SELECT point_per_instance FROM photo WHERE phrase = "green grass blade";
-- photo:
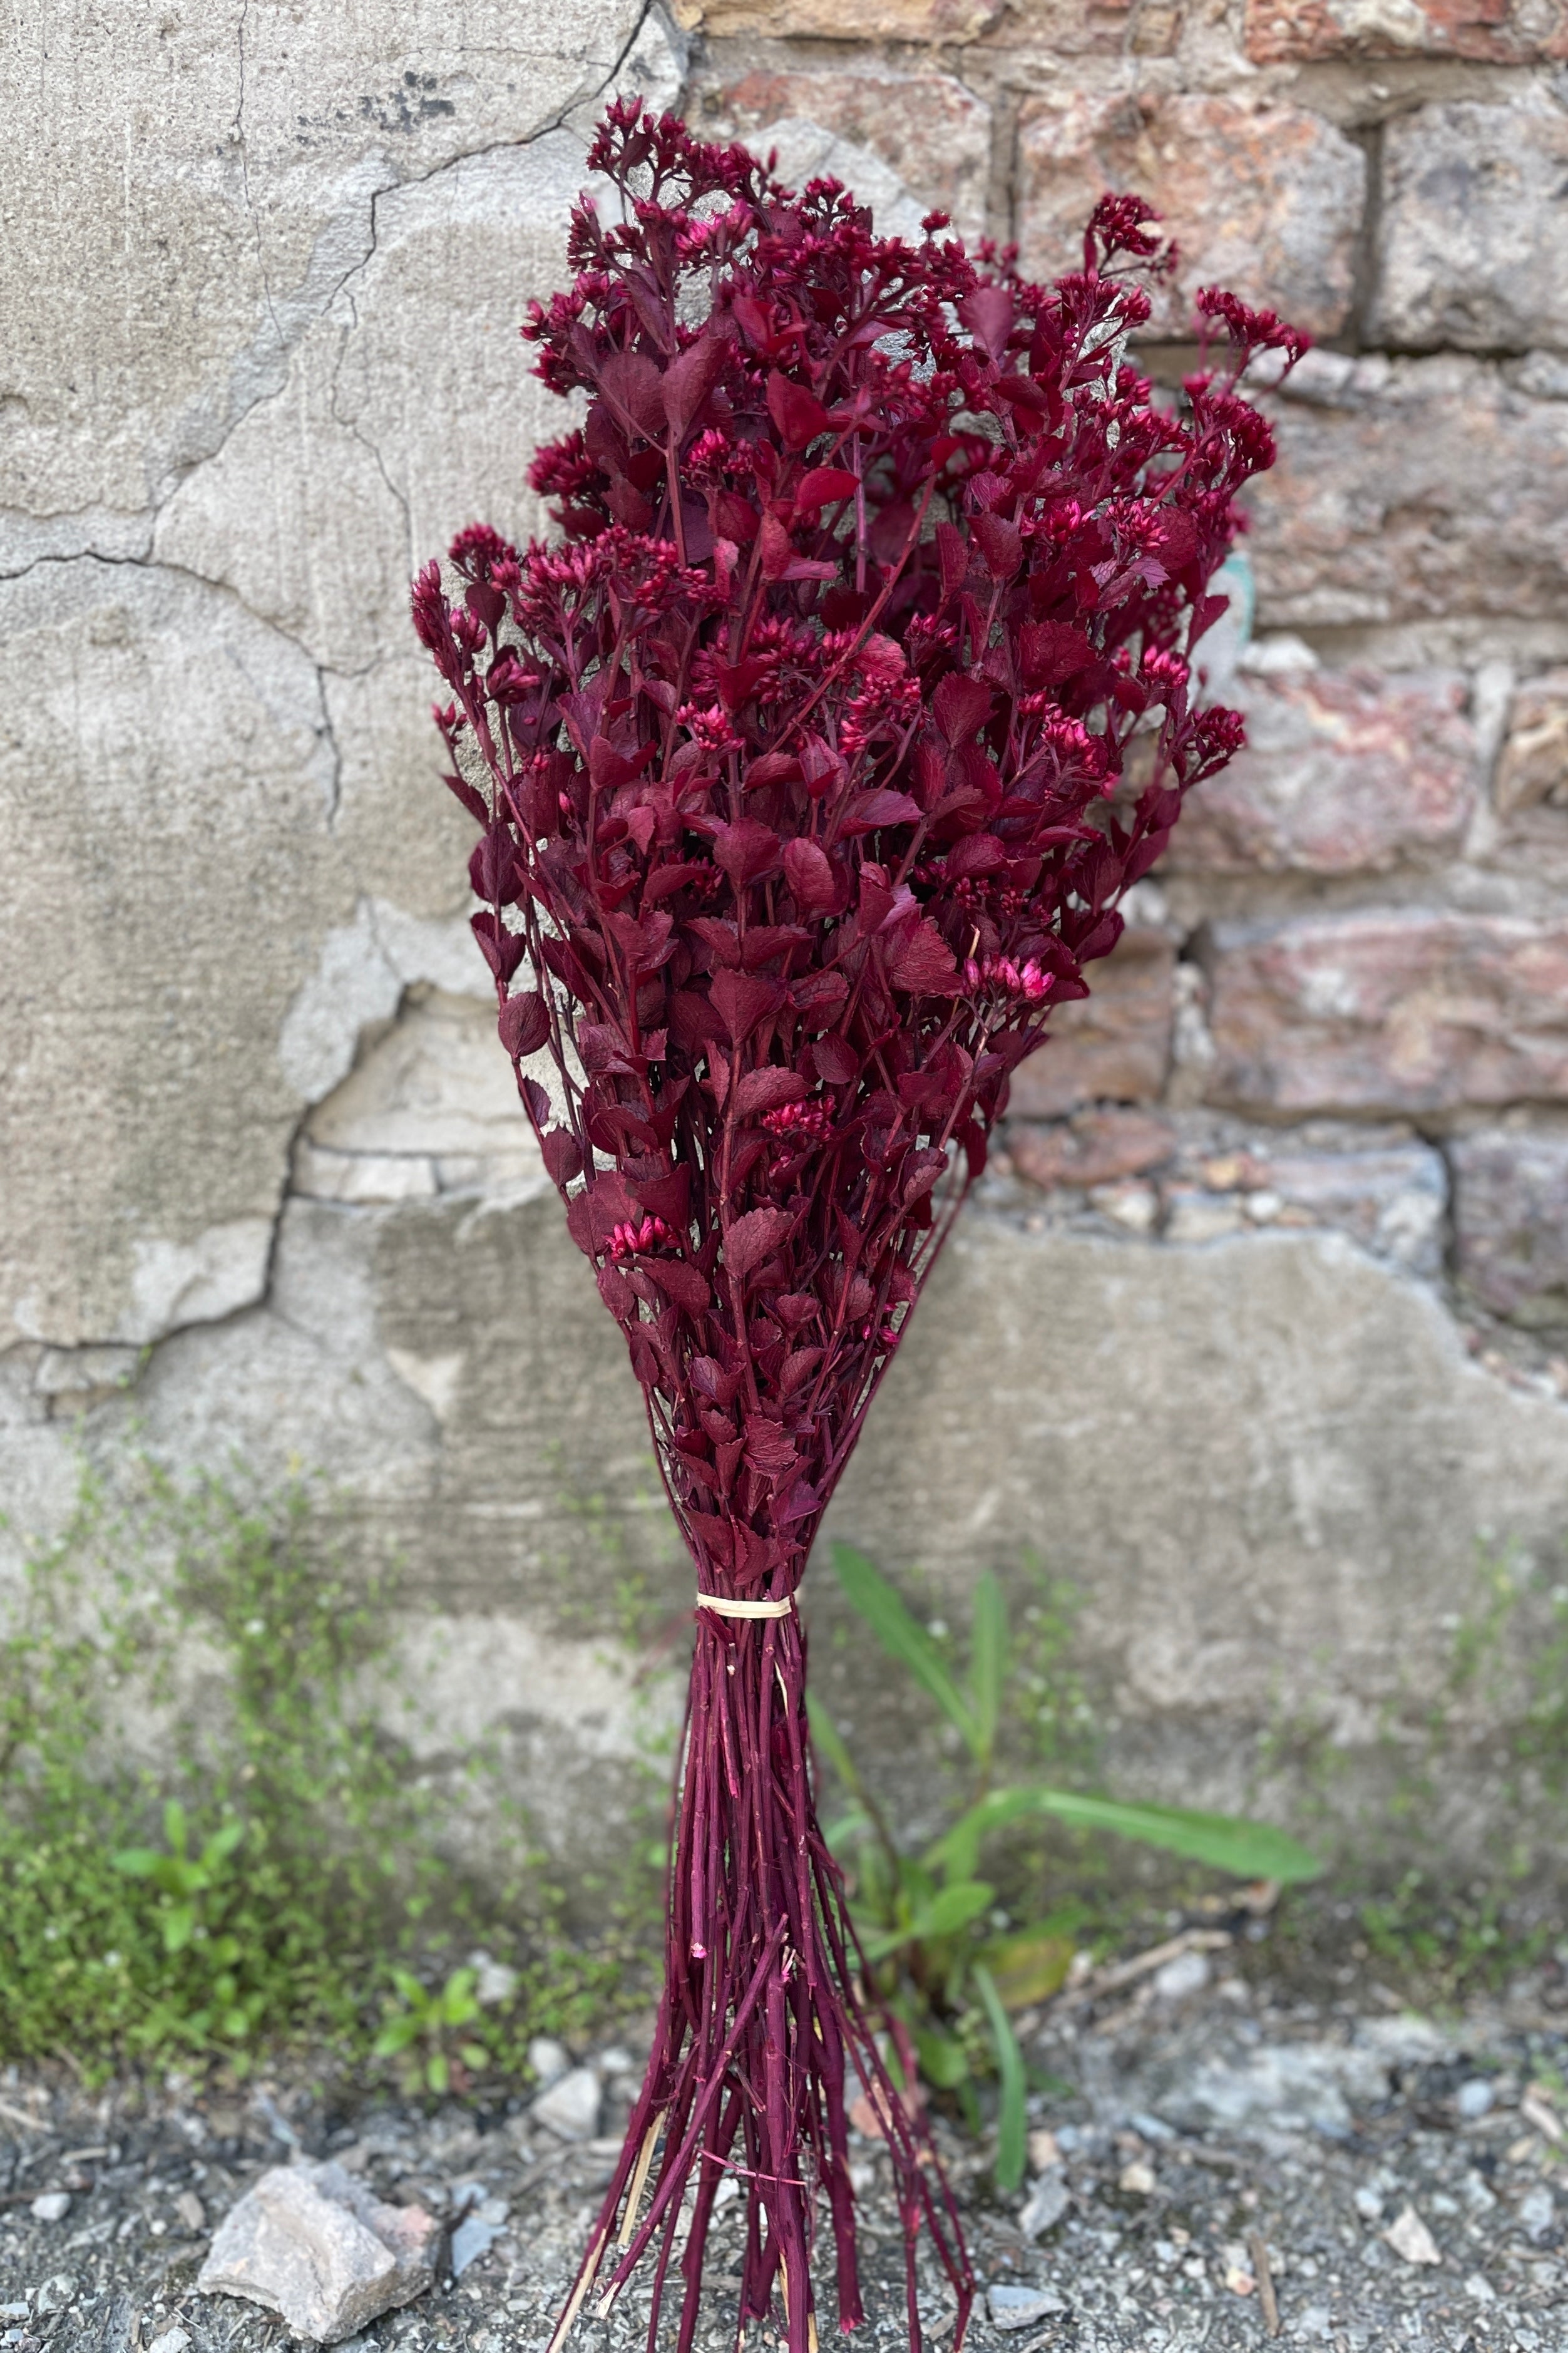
(827, 1736)
(1011, 2120)
(988, 1661)
(1227, 1841)
(903, 1636)
(1247, 1850)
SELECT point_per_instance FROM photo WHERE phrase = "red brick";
(1343, 772)
(897, 20)
(1112, 1046)
(1407, 490)
(1510, 1222)
(1096, 1149)
(1391, 1008)
(1265, 199)
(1499, 31)
(927, 128)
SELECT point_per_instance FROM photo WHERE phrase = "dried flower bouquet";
(801, 764)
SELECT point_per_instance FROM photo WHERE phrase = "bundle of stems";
(810, 760)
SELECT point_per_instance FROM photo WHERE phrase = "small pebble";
(52, 2207)
(56, 2293)
(570, 2105)
(190, 2211)
(1187, 1974)
(1475, 2098)
(1020, 2307)
(1138, 2178)
(1045, 2205)
(1410, 2238)
(548, 2059)
(1536, 2210)
(172, 2340)
(1369, 2202)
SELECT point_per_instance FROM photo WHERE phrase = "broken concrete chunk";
(1021, 2308)
(1046, 2203)
(571, 2107)
(313, 2245)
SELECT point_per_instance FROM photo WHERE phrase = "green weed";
(948, 1961)
(282, 1878)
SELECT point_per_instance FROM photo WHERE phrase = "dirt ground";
(1225, 2165)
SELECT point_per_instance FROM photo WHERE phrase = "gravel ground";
(1231, 2167)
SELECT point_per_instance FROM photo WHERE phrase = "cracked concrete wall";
(1255, 1327)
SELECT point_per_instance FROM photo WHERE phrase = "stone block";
(1343, 772)
(1532, 768)
(1407, 490)
(312, 2244)
(1389, 1197)
(1096, 1148)
(927, 129)
(1391, 1008)
(1472, 245)
(1495, 32)
(1113, 1046)
(1510, 1222)
(1264, 198)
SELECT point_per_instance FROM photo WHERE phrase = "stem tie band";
(722, 1607)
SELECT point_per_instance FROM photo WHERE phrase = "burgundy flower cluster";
(810, 763)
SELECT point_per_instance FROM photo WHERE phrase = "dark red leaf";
(836, 1060)
(866, 812)
(741, 999)
(823, 486)
(798, 414)
(683, 1283)
(754, 1237)
(503, 950)
(960, 705)
(770, 1449)
(747, 849)
(988, 314)
(688, 380)
(563, 1155)
(764, 1090)
(523, 1023)
(1001, 545)
(809, 875)
(923, 962)
(1051, 651)
(631, 384)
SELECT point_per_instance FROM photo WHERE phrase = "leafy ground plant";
(283, 1869)
(431, 2026)
(925, 1922)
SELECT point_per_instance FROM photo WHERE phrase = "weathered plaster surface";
(266, 1191)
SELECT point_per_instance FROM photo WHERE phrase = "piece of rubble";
(1020, 2307)
(1047, 2202)
(312, 2244)
(571, 2107)
(1410, 2238)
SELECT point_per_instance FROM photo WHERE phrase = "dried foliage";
(800, 762)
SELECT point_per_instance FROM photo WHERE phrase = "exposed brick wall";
(1344, 1000)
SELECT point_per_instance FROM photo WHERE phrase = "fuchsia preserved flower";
(802, 761)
